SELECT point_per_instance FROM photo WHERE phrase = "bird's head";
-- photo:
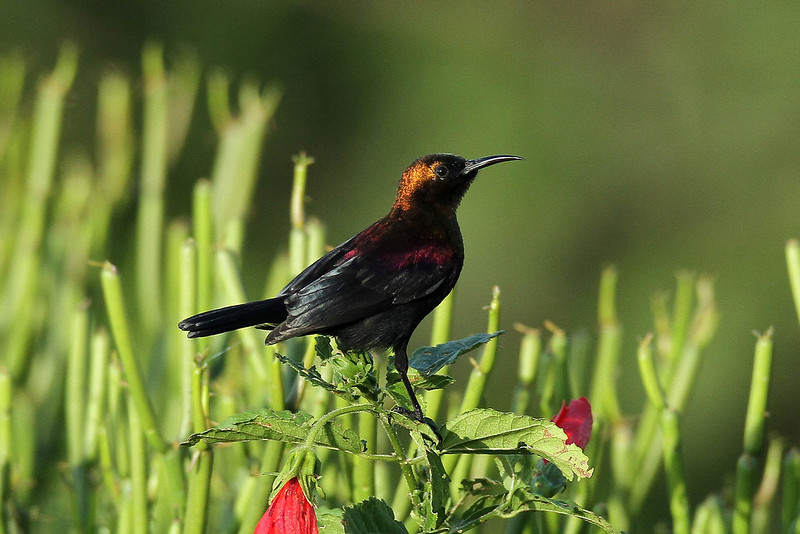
(440, 180)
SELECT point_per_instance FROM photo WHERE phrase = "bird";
(372, 291)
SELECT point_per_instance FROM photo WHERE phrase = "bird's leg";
(401, 365)
(403, 370)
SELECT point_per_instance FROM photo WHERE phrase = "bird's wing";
(317, 269)
(359, 287)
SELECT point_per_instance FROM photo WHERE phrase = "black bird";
(373, 290)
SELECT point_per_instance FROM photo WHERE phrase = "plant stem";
(150, 217)
(759, 391)
(603, 391)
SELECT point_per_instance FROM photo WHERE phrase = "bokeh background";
(657, 137)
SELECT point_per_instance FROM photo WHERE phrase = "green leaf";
(311, 375)
(428, 360)
(330, 522)
(285, 426)
(323, 347)
(524, 501)
(529, 501)
(370, 516)
(487, 431)
(438, 487)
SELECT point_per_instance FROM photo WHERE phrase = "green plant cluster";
(107, 412)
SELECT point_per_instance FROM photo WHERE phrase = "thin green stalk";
(75, 390)
(670, 429)
(363, 472)
(681, 319)
(12, 78)
(190, 418)
(765, 495)
(603, 392)
(115, 150)
(553, 390)
(622, 477)
(648, 441)
(138, 472)
(530, 350)
(673, 465)
(183, 82)
(746, 476)
(790, 502)
(709, 518)
(793, 266)
(405, 467)
(203, 231)
(440, 333)
(218, 99)
(115, 306)
(196, 520)
(647, 371)
(759, 391)
(196, 392)
(228, 274)
(150, 215)
(238, 156)
(473, 393)
(21, 278)
(98, 385)
(747, 467)
(6, 433)
(74, 404)
(480, 371)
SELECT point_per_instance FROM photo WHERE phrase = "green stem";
(198, 495)
(95, 410)
(23, 273)
(6, 390)
(115, 306)
(746, 473)
(474, 391)
(765, 495)
(363, 472)
(673, 465)
(793, 266)
(759, 391)
(647, 371)
(709, 518)
(150, 217)
(530, 350)
(138, 472)
(405, 466)
(603, 391)
(790, 504)
(203, 232)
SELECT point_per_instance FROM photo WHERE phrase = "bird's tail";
(263, 312)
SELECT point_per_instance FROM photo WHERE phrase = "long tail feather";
(262, 312)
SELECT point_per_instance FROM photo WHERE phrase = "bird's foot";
(418, 416)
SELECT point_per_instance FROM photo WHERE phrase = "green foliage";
(428, 360)
(279, 426)
(488, 431)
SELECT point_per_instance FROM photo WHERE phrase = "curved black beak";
(474, 165)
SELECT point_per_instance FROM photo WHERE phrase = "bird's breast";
(430, 254)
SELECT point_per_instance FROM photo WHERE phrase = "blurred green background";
(657, 137)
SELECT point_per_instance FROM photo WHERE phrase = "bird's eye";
(441, 171)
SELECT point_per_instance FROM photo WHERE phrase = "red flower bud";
(289, 513)
(575, 420)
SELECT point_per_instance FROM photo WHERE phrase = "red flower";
(289, 513)
(575, 420)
